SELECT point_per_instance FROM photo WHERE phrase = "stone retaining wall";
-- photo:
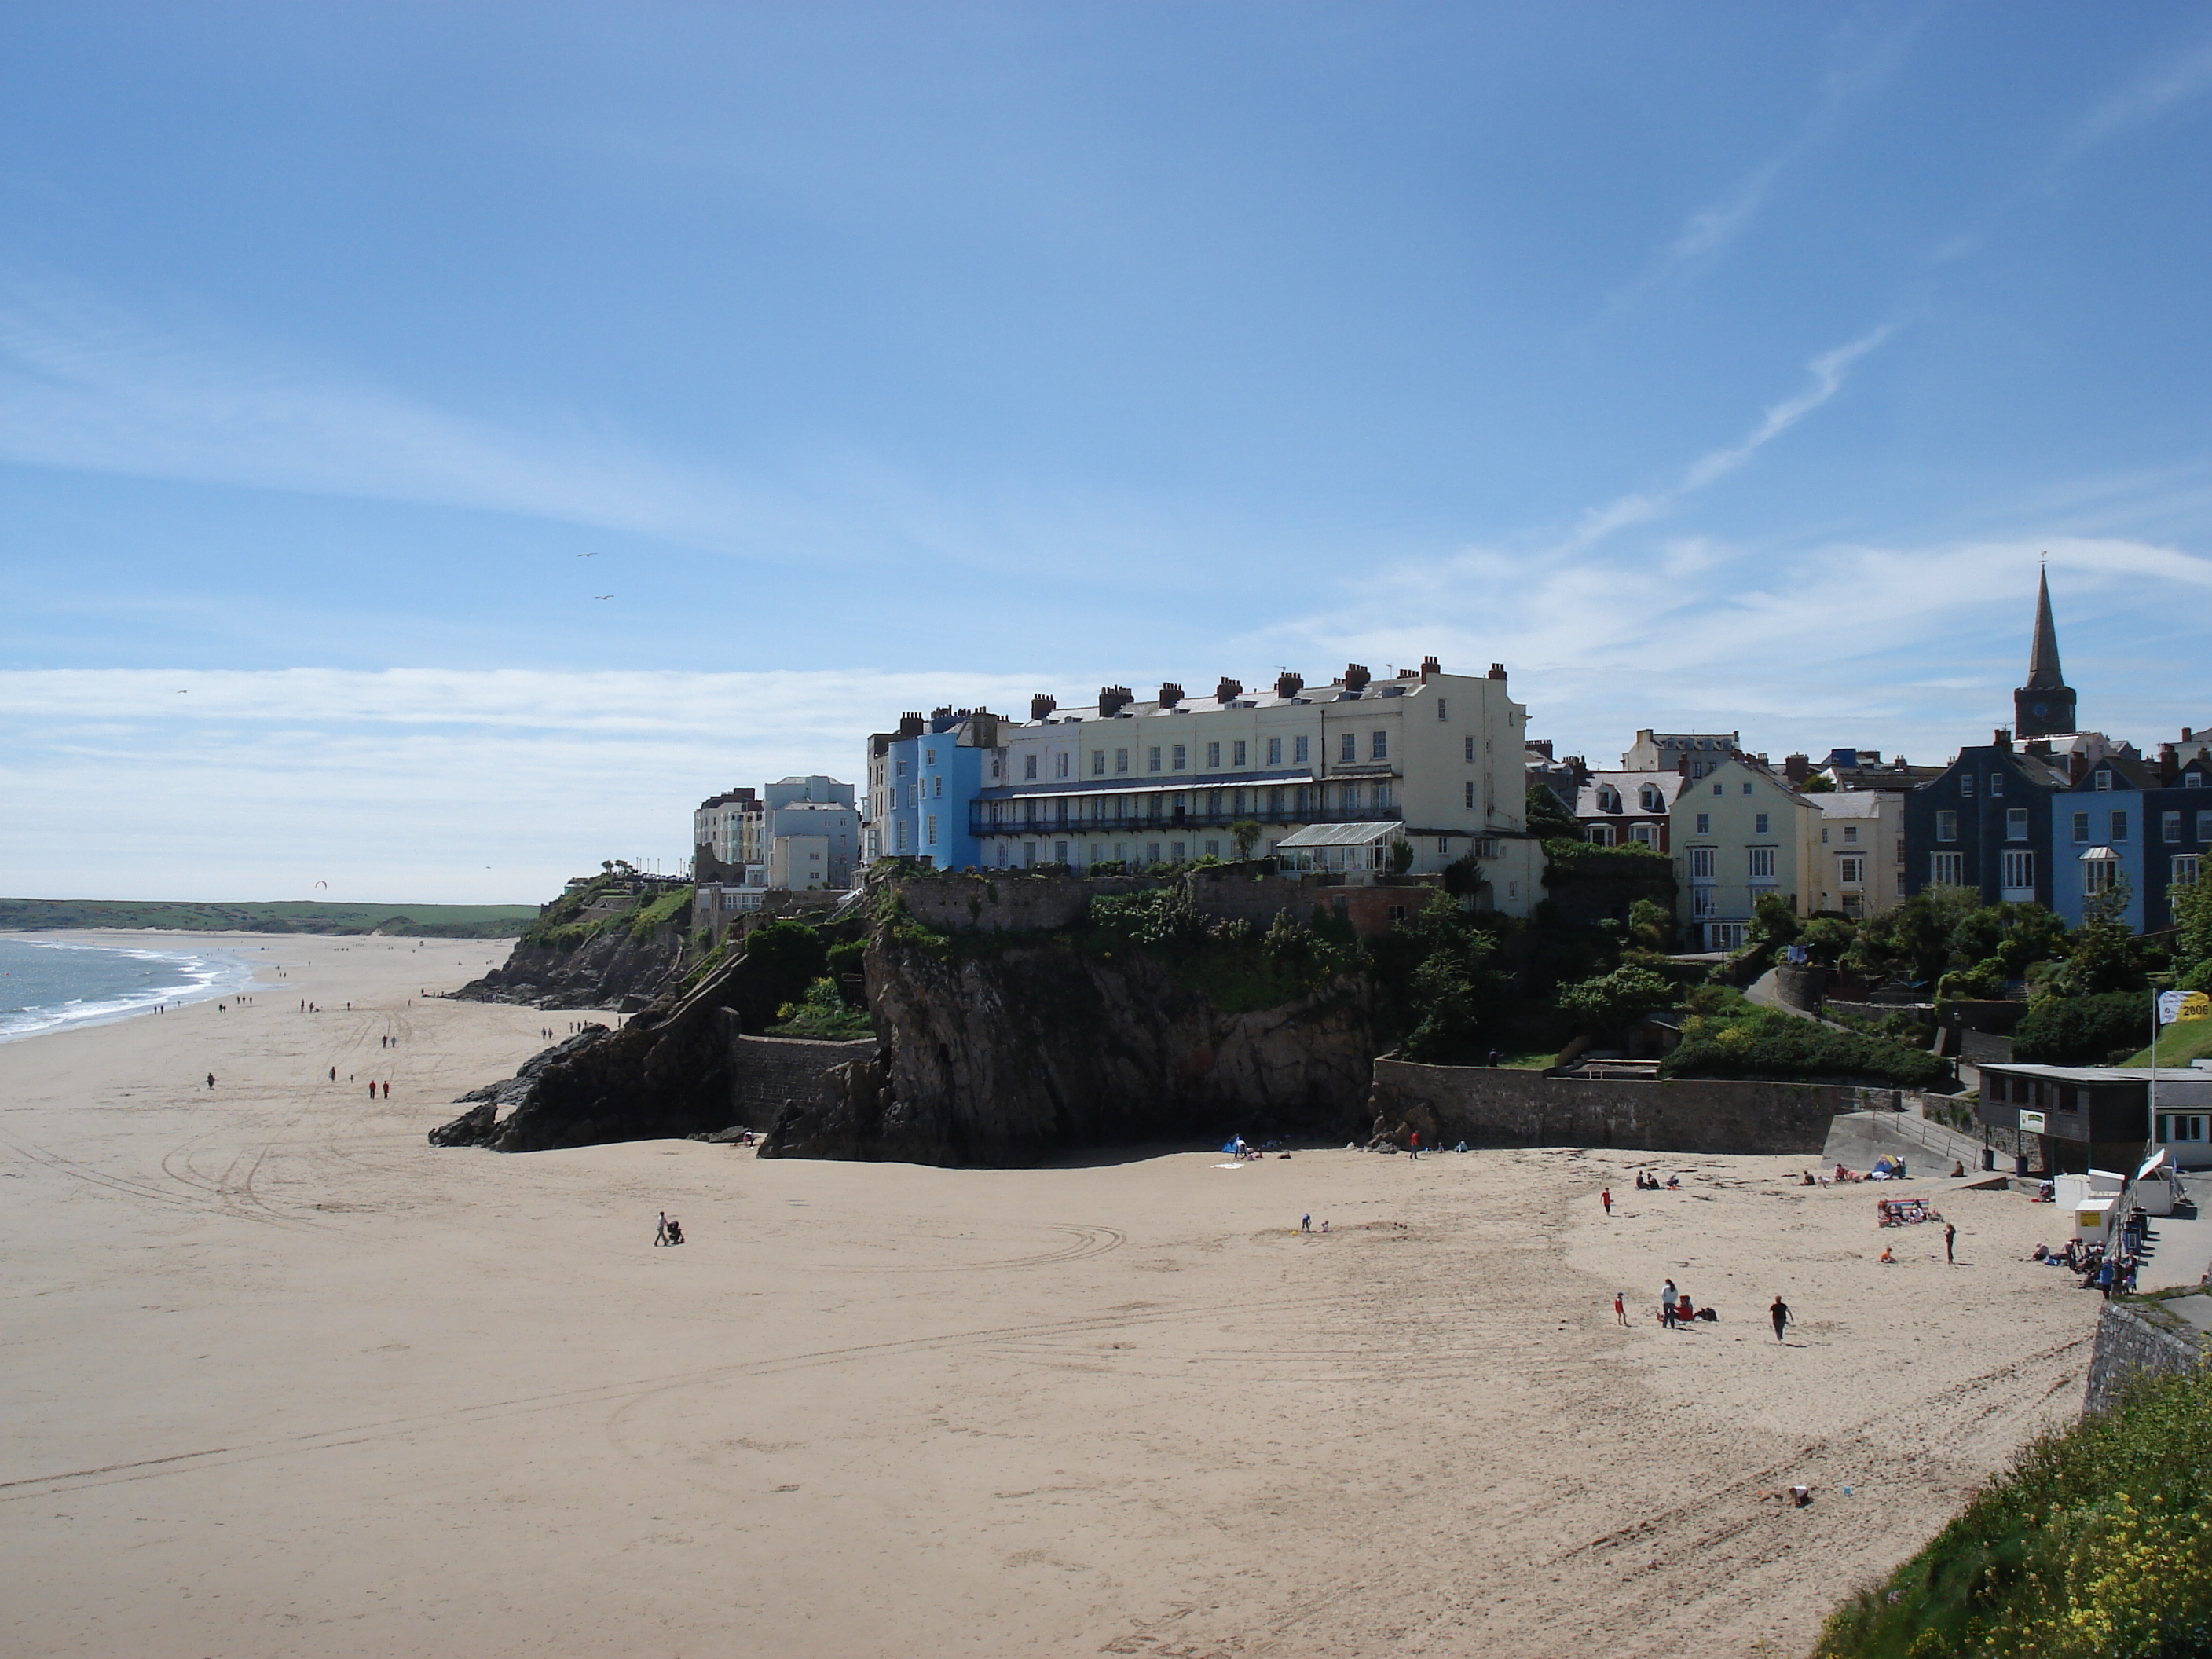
(767, 1073)
(1487, 1106)
(2128, 1343)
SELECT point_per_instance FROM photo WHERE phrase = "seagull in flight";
(588, 556)
(603, 596)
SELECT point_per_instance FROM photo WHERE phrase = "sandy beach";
(280, 1379)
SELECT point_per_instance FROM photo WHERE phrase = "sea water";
(48, 984)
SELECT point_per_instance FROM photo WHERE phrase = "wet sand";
(276, 1378)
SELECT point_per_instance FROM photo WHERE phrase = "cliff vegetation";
(2096, 1542)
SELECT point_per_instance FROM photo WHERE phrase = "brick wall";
(1487, 1106)
(765, 1071)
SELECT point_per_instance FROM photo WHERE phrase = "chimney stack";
(1497, 670)
(1040, 706)
(1356, 677)
(1113, 699)
(910, 725)
(1228, 691)
(1171, 694)
(1430, 665)
(1289, 684)
(2003, 739)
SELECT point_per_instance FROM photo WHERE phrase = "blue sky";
(1723, 366)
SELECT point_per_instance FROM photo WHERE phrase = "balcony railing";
(1018, 817)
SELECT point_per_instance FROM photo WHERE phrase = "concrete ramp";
(1856, 1139)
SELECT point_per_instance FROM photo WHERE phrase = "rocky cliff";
(620, 953)
(614, 970)
(1009, 1056)
(664, 1073)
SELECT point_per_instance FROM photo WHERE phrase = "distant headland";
(282, 916)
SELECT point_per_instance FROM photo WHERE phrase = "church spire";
(2043, 672)
(2044, 706)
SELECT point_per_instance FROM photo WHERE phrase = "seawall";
(1495, 1106)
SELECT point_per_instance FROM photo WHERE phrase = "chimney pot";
(1430, 665)
(1497, 670)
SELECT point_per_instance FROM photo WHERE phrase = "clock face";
(2042, 709)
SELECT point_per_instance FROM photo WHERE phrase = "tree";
(1774, 920)
(2084, 1031)
(1463, 876)
(1818, 784)
(784, 957)
(2192, 927)
(1652, 924)
(1402, 856)
(1546, 817)
(1245, 832)
(1826, 937)
(2102, 954)
(1610, 1001)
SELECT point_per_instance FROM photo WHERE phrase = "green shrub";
(783, 959)
(2083, 1031)
(2096, 1542)
(822, 1013)
(1610, 1001)
(1763, 1043)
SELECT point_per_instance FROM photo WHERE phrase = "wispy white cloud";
(1858, 69)
(2163, 89)
(1828, 372)
(87, 387)
(1912, 648)
(2160, 90)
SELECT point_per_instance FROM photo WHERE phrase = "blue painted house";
(2147, 823)
(921, 780)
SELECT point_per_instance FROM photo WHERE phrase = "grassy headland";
(281, 916)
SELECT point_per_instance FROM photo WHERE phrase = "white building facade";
(1123, 783)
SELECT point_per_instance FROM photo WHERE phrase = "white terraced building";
(1437, 757)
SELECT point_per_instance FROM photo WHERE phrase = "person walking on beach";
(211, 1079)
(388, 1089)
(334, 1074)
(1414, 1144)
(1950, 1238)
(372, 1090)
(1779, 1313)
(1619, 1308)
(1606, 1199)
(661, 1233)
(1667, 1305)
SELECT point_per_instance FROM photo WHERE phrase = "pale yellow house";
(1862, 860)
(1739, 833)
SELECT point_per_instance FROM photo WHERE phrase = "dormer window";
(2192, 779)
(1608, 799)
(1651, 800)
(2104, 777)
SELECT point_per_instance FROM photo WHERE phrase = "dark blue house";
(1985, 824)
